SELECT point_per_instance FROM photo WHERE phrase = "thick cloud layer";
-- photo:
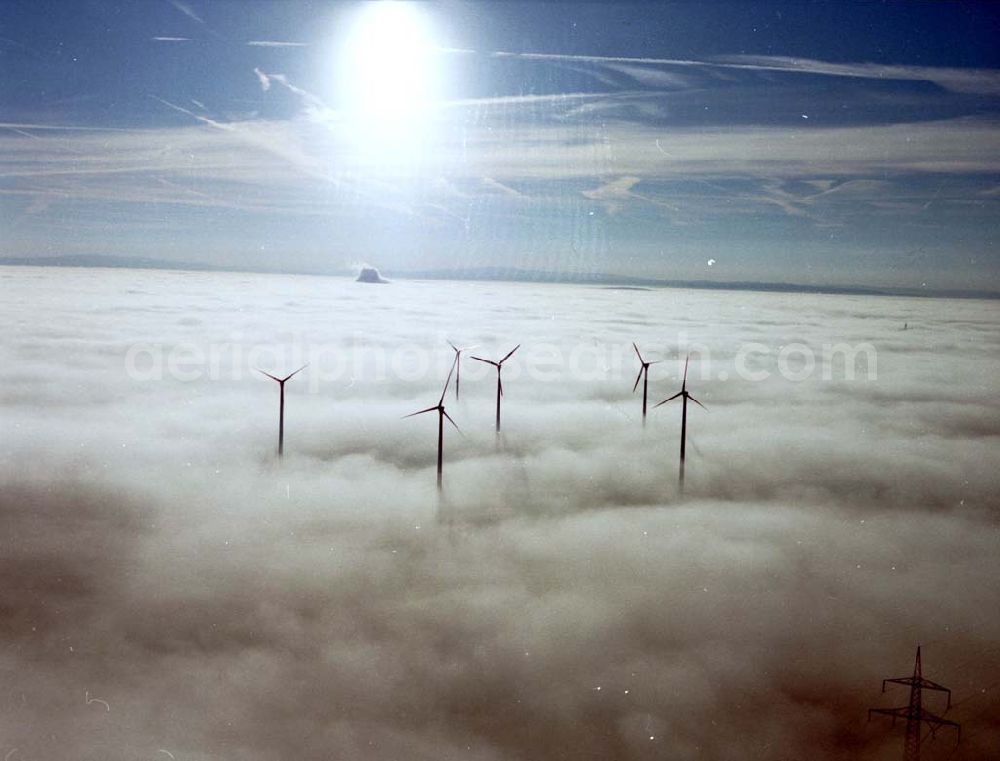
(172, 591)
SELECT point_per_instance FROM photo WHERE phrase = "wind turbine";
(644, 374)
(281, 405)
(684, 395)
(441, 416)
(458, 364)
(499, 366)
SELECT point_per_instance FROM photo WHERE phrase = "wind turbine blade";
(448, 380)
(487, 361)
(654, 362)
(268, 375)
(637, 379)
(453, 346)
(287, 377)
(509, 354)
(685, 382)
(697, 402)
(637, 353)
(452, 422)
(421, 412)
(500, 384)
(668, 400)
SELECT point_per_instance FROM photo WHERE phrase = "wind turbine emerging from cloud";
(684, 395)
(644, 375)
(458, 364)
(499, 367)
(439, 408)
(281, 405)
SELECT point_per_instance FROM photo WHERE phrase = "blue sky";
(802, 142)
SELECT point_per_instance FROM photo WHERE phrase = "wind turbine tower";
(644, 375)
(684, 395)
(439, 408)
(281, 405)
(499, 367)
(458, 364)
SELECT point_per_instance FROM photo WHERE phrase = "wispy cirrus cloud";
(265, 81)
(203, 119)
(505, 189)
(628, 157)
(249, 43)
(312, 103)
(978, 81)
(614, 193)
(847, 165)
(62, 127)
(276, 44)
(187, 10)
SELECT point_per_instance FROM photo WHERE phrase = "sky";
(170, 592)
(817, 143)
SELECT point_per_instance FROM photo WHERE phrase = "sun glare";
(389, 72)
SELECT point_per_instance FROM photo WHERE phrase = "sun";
(389, 75)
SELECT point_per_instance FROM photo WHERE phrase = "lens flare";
(389, 73)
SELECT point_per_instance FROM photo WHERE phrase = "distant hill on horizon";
(501, 274)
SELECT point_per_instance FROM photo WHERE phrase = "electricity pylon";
(914, 713)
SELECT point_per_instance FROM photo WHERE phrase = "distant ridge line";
(625, 281)
(501, 274)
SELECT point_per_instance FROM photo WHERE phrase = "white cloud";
(261, 153)
(276, 44)
(977, 81)
(703, 176)
(649, 70)
(187, 10)
(613, 193)
(265, 81)
(507, 190)
(157, 558)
